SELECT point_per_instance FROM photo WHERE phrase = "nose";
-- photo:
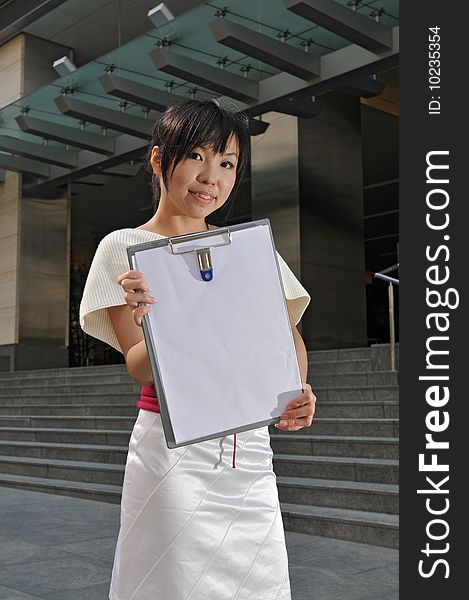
(207, 173)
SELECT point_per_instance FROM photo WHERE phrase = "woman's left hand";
(299, 412)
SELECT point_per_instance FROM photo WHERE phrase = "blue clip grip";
(207, 274)
(205, 264)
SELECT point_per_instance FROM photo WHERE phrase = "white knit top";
(102, 290)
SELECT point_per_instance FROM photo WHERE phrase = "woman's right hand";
(136, 291)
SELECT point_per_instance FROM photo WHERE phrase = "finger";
(306, 399)
(132, 275)
(301, 417)
(130, 284)
(135, 285)
(138, 314)
(309, 401)
(300, 413)
(300, 409)
(289, 425)
(300, 422)
(134, 298)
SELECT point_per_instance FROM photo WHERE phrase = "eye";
(194, 155)
(230, 164)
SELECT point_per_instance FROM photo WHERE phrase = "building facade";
(319, 81)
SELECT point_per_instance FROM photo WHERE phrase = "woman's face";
(201, 182)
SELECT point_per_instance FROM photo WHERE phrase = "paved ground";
(59, 548)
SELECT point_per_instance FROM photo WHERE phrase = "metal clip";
(205, 264)
(204, 257)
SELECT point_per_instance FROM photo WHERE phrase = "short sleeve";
(296, 295)
(102, 290)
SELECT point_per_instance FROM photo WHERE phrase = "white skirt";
(195, 528)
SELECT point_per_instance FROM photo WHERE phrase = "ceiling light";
(64, 66)
(160, 15)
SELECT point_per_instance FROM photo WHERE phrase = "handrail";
(386, 278)
(392, 335)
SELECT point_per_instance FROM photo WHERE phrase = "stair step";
(70, 388)
(358, 409)
(380, 393)
(127, 409)
(354, 495)
(92, 491)
(67, 422)
(88, 452)
(71, 398)
(351, 446)
(354, 365)
(354, 525)
(340, 353)
(62, 371)
(377, 529)
(371, 470)
(361, 393)
(91, 472)
(67, 379)
(64, 435)
(364, 470)
(370, 378)
(317, 380)
(322, 426)
(352, 426)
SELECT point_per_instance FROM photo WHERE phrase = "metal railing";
(392, 329)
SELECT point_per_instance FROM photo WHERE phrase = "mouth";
(202, 197)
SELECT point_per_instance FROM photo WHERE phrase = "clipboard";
(221, 346)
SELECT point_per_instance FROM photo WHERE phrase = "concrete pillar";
(34, 235)
(307, 179)
(11, 76)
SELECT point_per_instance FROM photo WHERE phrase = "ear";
(155, 160)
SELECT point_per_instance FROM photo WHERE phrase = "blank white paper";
(225, 348)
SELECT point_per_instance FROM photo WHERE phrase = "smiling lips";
(202, 197)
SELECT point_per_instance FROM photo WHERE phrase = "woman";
(192, 528)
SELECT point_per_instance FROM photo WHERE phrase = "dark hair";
(197, 123)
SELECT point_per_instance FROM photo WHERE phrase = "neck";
(173, 226)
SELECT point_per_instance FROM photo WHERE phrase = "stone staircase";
(66, 431)
(340, 477)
